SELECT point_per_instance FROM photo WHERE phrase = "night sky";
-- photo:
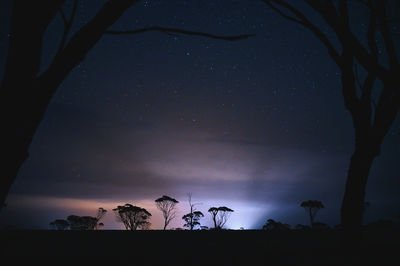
(257, 125)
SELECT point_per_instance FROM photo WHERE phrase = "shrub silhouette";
(273, 225)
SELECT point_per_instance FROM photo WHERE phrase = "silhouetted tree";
(312, 207)
(192, 218)
(100, 214)
(374, 50)
(220, 216)
(60, 224)
(133, 217)
(273, 225)
(82, 223)
(27, 88)
(167, 206)
(75, 222)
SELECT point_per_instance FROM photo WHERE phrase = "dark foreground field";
(195, 248)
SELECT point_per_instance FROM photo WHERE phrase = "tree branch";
(384, 28)
(385, 112)
(79, 45)
(64, 18)
(371, 32)
(280, 12)
(349, 90)
(366, 92)
(344, 12)
(67, 25)
(173, 31)
(347, 38)
(301, 19)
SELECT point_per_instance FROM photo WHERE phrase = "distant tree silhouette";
(75, 222)
(273, 225)
(100, 214)
(312, 207)
(376, 53)
(192, 219)
(167, 206)
(27, 90)
(82, 223)
(133, 217)
(60, 224)
(220, 216)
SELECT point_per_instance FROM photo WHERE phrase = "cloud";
(98, 161)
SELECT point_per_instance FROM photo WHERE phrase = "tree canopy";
(312, 207)
(220, 216)
(133, 217)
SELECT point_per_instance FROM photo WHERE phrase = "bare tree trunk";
(21, 109)
(12, 163)
(368, 144)
(371, 126)
(311, 217)
(353, 200)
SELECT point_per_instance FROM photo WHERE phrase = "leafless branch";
(327, 10)
(357, 76)
(67, 24)
(371, 32)
(349, 90)
(302, 19)
(64, 18)
(79, 45)
(174, 31)
(344, 12)
(367, 89)
(280, 12)
(384, 28)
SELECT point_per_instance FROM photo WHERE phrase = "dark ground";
(379, 247)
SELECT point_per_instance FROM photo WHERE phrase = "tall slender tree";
(167, 206)
(192, 219)
(100, 214)
(374, 51)
(312, 207)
